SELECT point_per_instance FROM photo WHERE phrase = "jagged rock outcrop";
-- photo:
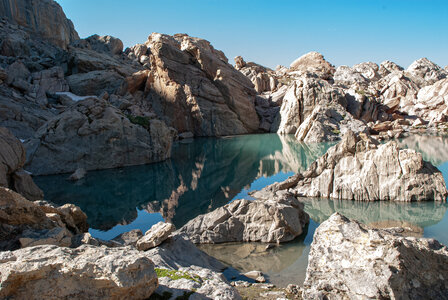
(349, 260)
(263, 78)
(93, 135)
(44, 18)
(432, 102)
(24, 223)
(193, 87)
(87, 272)
(427, 70)
(106, 44)
(12, 160)
(359, 169)
(184, 269)
(268, 220)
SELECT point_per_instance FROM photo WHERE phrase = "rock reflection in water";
(201, 176)
(421, 214)
(432, 148)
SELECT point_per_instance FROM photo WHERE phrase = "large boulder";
(87, 272)
(12, 159)
(193, 87)
(267, 220)
(358, 168)
(432, 102)
(427, 70)
(263, 79)
(349, 260)
(155, 236)
(93, 135)
(44, 18)
(107, 44)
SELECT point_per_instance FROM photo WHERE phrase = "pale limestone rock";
(155, 236)
(87, 272)
(434, 99)
(129, 238)
(269, 221)
(349, 260)
(93, 135)
(359, 169)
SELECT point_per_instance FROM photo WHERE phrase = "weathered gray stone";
(129, 238)
(87, 272)
(269, 221)
(349, 260)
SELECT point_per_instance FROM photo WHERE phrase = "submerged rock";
(358, 168)
(269, 221)
(87, 272)
(349, 260)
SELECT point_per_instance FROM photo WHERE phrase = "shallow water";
(207, 173)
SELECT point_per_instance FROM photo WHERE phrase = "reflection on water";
(201, 176)
(208, 173)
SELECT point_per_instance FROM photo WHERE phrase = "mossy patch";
(176, 275)
(139, 120)
(336, 131)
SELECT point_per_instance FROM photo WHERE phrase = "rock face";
(328, 123)
(92, 134)
(184, 269)
(24, 223)
(349, 260)
(194, 88)
(155, 236)
(12, 159)
(87, 272)
(45, 18)
(432, 102)
(359, 169)
(269, 221)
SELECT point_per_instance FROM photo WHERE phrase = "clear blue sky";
(278, 31)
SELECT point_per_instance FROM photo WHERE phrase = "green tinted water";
(208, 173)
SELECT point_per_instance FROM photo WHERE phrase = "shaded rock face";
(12, 159)
(24, 223)
(194, 88)
(95, 135)
(86, 272)
(45, 18)
(349, 260)
(359, 169)
(263, 79)
(202, 274)
(268, 221)
(107, 44)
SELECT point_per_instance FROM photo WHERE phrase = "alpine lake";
(206, 173)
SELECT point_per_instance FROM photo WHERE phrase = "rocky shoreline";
(71, 105)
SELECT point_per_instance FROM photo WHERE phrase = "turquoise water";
(207, 173)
